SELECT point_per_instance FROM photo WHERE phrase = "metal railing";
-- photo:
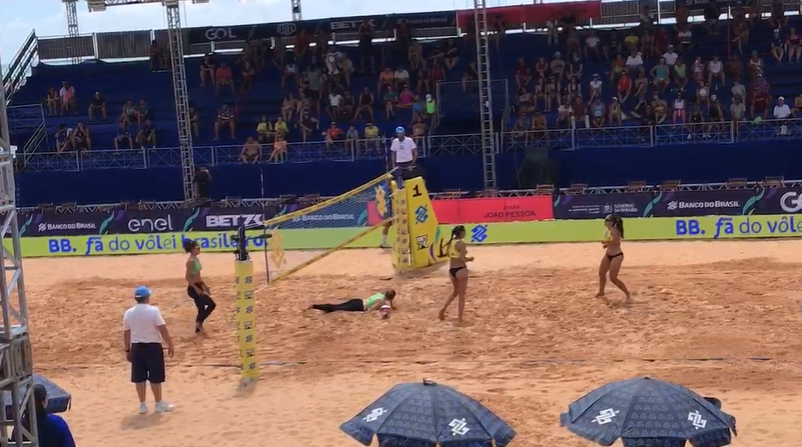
(429, 146)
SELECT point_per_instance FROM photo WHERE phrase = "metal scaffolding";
(296, 10)
(485, 93)
(72, 28)
(16, 361)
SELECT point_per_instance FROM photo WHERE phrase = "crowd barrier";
(430, 146)
(687, 203)
(589, 230)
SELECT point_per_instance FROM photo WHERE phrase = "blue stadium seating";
(133, 80)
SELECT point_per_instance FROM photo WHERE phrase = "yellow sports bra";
(606, 236)
(453, 253)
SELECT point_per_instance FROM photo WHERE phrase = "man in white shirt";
(634, 63)
(143, 332)
(782, 112)
(404, 154)
(671, 56)
(595, 85)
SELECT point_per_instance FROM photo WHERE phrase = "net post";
(245, 309)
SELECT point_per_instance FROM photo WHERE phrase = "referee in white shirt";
(404, 155)
(143, 332)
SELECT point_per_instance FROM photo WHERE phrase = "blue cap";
(399, 129)
(141, 292)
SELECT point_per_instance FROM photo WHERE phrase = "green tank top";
(196, 268)
(373, 299)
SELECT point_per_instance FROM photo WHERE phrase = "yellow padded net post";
(418, 242)
(246, 320)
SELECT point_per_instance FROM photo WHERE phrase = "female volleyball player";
(613, 256)
(382, 301)
(458, 271)
(196, 288)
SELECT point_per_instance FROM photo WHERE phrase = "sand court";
(720, 317)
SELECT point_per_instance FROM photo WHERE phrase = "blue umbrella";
(427, 414)
(650, 413)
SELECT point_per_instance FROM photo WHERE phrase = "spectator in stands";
(436, 74)
(415, 54)
(222, 77)
(698, 69)
(418, 108)
(755, 66)
(365, 105)
(597, 112)
(390, 99)
(351, 139)
(660, 74)
(635, 63)
(470, 76)
(52, 102)
(129, 114)
(552, 93)
(346, 66)
(366, 46)
(372, 137)
(123, 136)
(290, 71)
(308, 125)
(400, 78)
(777, 45)
(552, 33)
(405, 99)
(202, 181)
(738, 90)
(703, 94)
(207, 70)
(794, 46)
(624, 87)
(251, 151)
(281, 129)
(386, 79)
(696, 119)
(97, 103)
(640, 87)
(595, 85)
(741, 34)
(557, 66)
(734, 68)
(659, 108)
(737, 111)
(797, 103)
(264, 130)
(715, 116)
(685, 38)
(147, 135)
(614, 114)
(580, 110)
(194, 121)
(67, 97)
(680, 74)
(225, 118)
(333, 107)
(248, 73)
(279, 149)
(678, 112)
(451, 56)
(81, 141)
(671, 56)
(63, 138)
(332, 134)
(647, 18)
(317, 82)
(157, 56)
(592, 46)
(574, 68)
(778, 19)
(143, 112)
(539, 95)
(289, 106)
(647, 45)
(662, 44)
(573, 89)
(520, 127)
(755, 12)
(538, 127)
(348, 106)
(712, 13)
(782, 111)
(760, 101)
(564, 114)
(640, 110)
(613, 44)
(541, 69)
(715, 72)
(632, 41)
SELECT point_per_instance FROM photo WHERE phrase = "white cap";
(781, 98)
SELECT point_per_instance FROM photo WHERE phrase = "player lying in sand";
(382, 301)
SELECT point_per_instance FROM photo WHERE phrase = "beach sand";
(721, 318)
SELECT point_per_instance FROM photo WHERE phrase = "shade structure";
(648, 413)
(425, 414)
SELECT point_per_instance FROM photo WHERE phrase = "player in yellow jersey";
(457, 272)
(613, 255)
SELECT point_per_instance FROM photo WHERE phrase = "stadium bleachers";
(451, 139)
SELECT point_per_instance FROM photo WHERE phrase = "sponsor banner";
(587, 230)
(704, 203)
(699, 5)
(141, 221)
(495, 209)
(597, 206)
(779, 201)
(241, 33)
(539, 12)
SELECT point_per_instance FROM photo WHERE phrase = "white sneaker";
(143, 408)
(163, 407)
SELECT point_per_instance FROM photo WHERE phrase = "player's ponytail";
(459, 229)
(618, 222)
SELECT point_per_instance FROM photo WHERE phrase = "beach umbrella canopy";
(649, 413)
(426, 414)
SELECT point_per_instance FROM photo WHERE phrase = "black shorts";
(147, 363)
(453, 271)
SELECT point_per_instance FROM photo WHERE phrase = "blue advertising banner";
(720, 202)
(241, 33)
(597, 206)
(779, 201)
(51, 223)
